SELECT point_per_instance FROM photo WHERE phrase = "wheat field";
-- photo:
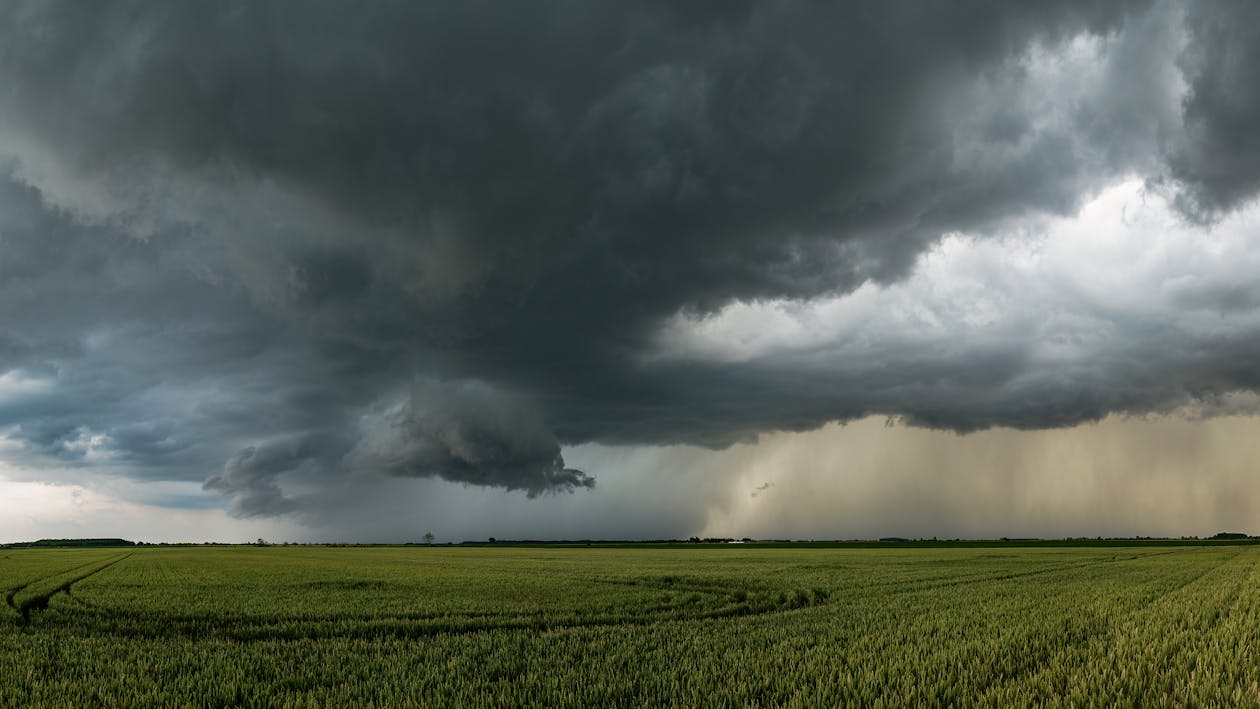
(593, 626)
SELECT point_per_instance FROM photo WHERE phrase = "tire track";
(40, 601)
(11, 592)
(725, 603)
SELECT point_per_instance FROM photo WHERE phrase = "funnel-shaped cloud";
(468, 433)
(250, 477)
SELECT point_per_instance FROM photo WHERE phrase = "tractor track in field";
(11, 592)
(40, 601)
(406, 625)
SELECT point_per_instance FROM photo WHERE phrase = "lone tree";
(428, 537)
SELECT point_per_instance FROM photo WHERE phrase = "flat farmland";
(584, 626)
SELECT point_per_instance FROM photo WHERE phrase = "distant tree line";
(73, 543)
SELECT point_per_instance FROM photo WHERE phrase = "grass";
(418, 626)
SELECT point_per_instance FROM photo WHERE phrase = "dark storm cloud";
(439, 239)
(466, 433)
(250, 476)
(1219, 161)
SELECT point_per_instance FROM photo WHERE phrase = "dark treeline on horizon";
(103, 542)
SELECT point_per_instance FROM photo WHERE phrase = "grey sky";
(293, 250)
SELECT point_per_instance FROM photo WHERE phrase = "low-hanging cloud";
(251, 474)
(444, 240)
(468, 433)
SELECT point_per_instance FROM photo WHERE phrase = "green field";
(550, 626)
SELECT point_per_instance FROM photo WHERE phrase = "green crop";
(593, 626)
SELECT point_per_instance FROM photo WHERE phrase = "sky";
(327, 271)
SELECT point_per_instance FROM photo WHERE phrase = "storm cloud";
(276, 246)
